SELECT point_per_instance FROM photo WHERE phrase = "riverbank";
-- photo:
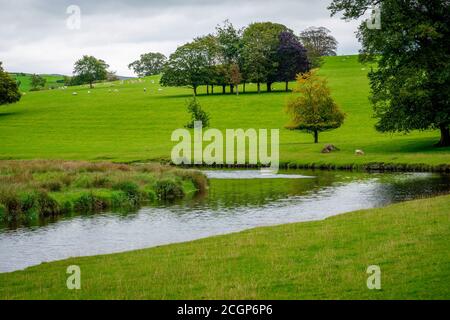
(31, 190)
(317, 260)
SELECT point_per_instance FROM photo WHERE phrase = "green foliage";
(37, 82)
(197, 114)
(169, 189)
(314, 110)
(259, 53)
(149, 64)
(411, 86)
(90, 69)
(9, 89)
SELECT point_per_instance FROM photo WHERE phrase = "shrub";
(197, 114)
(2, 212)
(46, 205)
(88, 202)
(10, 200)
(168, 189)
(131, 190)
(28, 202)
(52, 186)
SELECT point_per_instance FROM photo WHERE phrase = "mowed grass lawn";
(133, 125)
(316, 260)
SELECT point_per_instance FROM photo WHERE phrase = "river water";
(235, 201)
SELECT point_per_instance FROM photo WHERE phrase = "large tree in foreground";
(149, 64)
(314, 110)
(411, 85)
(9, 89)
(90, 69)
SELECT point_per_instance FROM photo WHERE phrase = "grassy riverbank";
(123, 123)
(318, 260)
(30, 190)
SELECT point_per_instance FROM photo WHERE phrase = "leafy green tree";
(235, 76)
(319, 43)
(411, 84)
(197, 114)
(149, 64)
(37, 82)
(314, 111)
(188, 66)
(90, 69)
(9, 90)
(259, 53)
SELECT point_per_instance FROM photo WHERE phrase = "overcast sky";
(34, 36)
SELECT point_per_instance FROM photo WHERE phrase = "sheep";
(359, 153)
(75, 93)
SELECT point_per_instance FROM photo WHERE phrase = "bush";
(52, 186)
(10, 200)
(88, 202)
(168, 189)
(46, 205)
(131, 190)
(197, 114)
(2, 212)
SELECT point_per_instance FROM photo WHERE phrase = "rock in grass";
(330, 148)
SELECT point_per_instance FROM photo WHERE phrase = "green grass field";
(316, 260)
(130, 125)
(25, 81)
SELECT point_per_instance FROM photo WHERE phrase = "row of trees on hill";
(260, 53)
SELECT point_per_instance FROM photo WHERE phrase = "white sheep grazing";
(359, 153)
(75, 93)
(160, 89)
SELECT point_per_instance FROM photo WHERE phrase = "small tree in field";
(9, 89)
(37, 82)
(314, 110)
(197, 114)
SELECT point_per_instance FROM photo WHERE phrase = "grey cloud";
(34, 37)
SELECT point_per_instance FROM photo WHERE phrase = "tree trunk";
(269, 87)
(259, 87)
(231, 88)
(316, 136)
(287, 86)
(212, 89)
(244, 87)
(91, 85)
(207, 89)
(445, 136)
(195, 90)
(224, 89)
(237, 90)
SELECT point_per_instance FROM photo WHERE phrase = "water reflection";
(230, 205)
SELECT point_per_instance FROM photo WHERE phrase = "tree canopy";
(90, 69)
(314, 111)
(149, 64)
(319, 43)
(411, 84)
(9, 89)
(37, 82)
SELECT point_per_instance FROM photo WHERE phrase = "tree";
(149, 64)
(37, 82)
(187, 66)
(89, 69)
(235, 76)
(314, 111)
(9, 90)
(259, 52)
(197, 114)
(319, 43)
(291, 58)
(411, 84)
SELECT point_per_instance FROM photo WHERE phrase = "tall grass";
(44, 188)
